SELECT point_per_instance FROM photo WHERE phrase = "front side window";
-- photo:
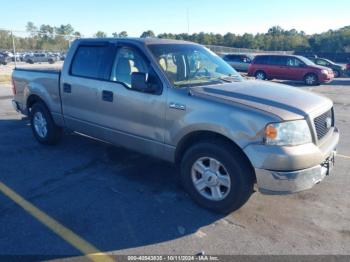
(127, 61)
(92, 62)
(192, 65)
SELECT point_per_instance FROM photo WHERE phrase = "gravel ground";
(126, 203)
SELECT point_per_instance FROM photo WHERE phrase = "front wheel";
(216, 176)
(44, 129)
(311, 79)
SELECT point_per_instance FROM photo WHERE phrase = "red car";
(289, 67)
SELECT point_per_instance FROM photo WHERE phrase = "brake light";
(13, 87)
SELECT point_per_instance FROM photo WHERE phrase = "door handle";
(107, 96)
(67, 88)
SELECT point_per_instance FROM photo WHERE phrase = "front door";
(131, 118)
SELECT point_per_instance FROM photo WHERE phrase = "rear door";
(80, 87)
(296, 68)
(278, 67)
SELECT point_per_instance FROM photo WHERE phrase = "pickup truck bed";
(43, 83)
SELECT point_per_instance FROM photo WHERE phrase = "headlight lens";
(289, 133)
(324, 71)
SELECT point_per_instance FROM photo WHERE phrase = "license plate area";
(329, 162)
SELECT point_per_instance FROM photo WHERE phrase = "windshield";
(306, 60)
(192, 65)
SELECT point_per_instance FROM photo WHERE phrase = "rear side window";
(92, 62)
(278, 60)
(261, 60)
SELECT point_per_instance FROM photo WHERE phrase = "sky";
(217, 16)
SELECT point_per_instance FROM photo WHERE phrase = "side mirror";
(142, 82)
(139, 81)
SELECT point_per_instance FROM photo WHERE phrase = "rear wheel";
(44, 129)
(217, 177)
(311, 79)
(260, 75)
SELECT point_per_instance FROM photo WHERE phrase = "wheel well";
(200, 136)
(260, 70)
(32, 99)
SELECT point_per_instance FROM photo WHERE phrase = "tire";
(43, 127)
(233, 167)
(311, 80)
(336, 73)
(261, 75)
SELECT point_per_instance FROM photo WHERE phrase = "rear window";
(261, 60)
(92, 62)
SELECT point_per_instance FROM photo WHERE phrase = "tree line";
(47, 37)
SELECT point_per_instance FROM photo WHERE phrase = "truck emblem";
(328, 122)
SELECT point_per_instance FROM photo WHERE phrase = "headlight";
(289, 133)
(324, 71)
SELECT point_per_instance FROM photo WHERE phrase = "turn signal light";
(270, 132)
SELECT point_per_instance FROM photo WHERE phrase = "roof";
(146, 41)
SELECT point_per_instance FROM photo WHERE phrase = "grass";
(5, 78)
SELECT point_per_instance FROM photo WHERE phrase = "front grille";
(323, 124)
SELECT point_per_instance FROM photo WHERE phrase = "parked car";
(240, 62)
(338, 70)
(39, 58)
(179, 102)
(5, 59)
(289, 67)
(347, 70)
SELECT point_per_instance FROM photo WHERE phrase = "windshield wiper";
(229, 79)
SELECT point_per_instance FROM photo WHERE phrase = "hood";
(318, 67)
(284, 101)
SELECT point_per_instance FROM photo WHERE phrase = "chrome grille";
(323, 124)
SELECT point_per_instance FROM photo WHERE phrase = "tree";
(100, 34)
(46, 31)
(31, 28)
(124, 34)
(64, 29)
(148, 33)
(121, 34)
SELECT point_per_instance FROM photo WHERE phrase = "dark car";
(347, 70)
(4, 59)
(289, 67)
(337, 69)
(240, 62)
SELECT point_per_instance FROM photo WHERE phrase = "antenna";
(188, 21)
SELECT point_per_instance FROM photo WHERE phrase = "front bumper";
(281, 170)
(326, 78)
(278, 182)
